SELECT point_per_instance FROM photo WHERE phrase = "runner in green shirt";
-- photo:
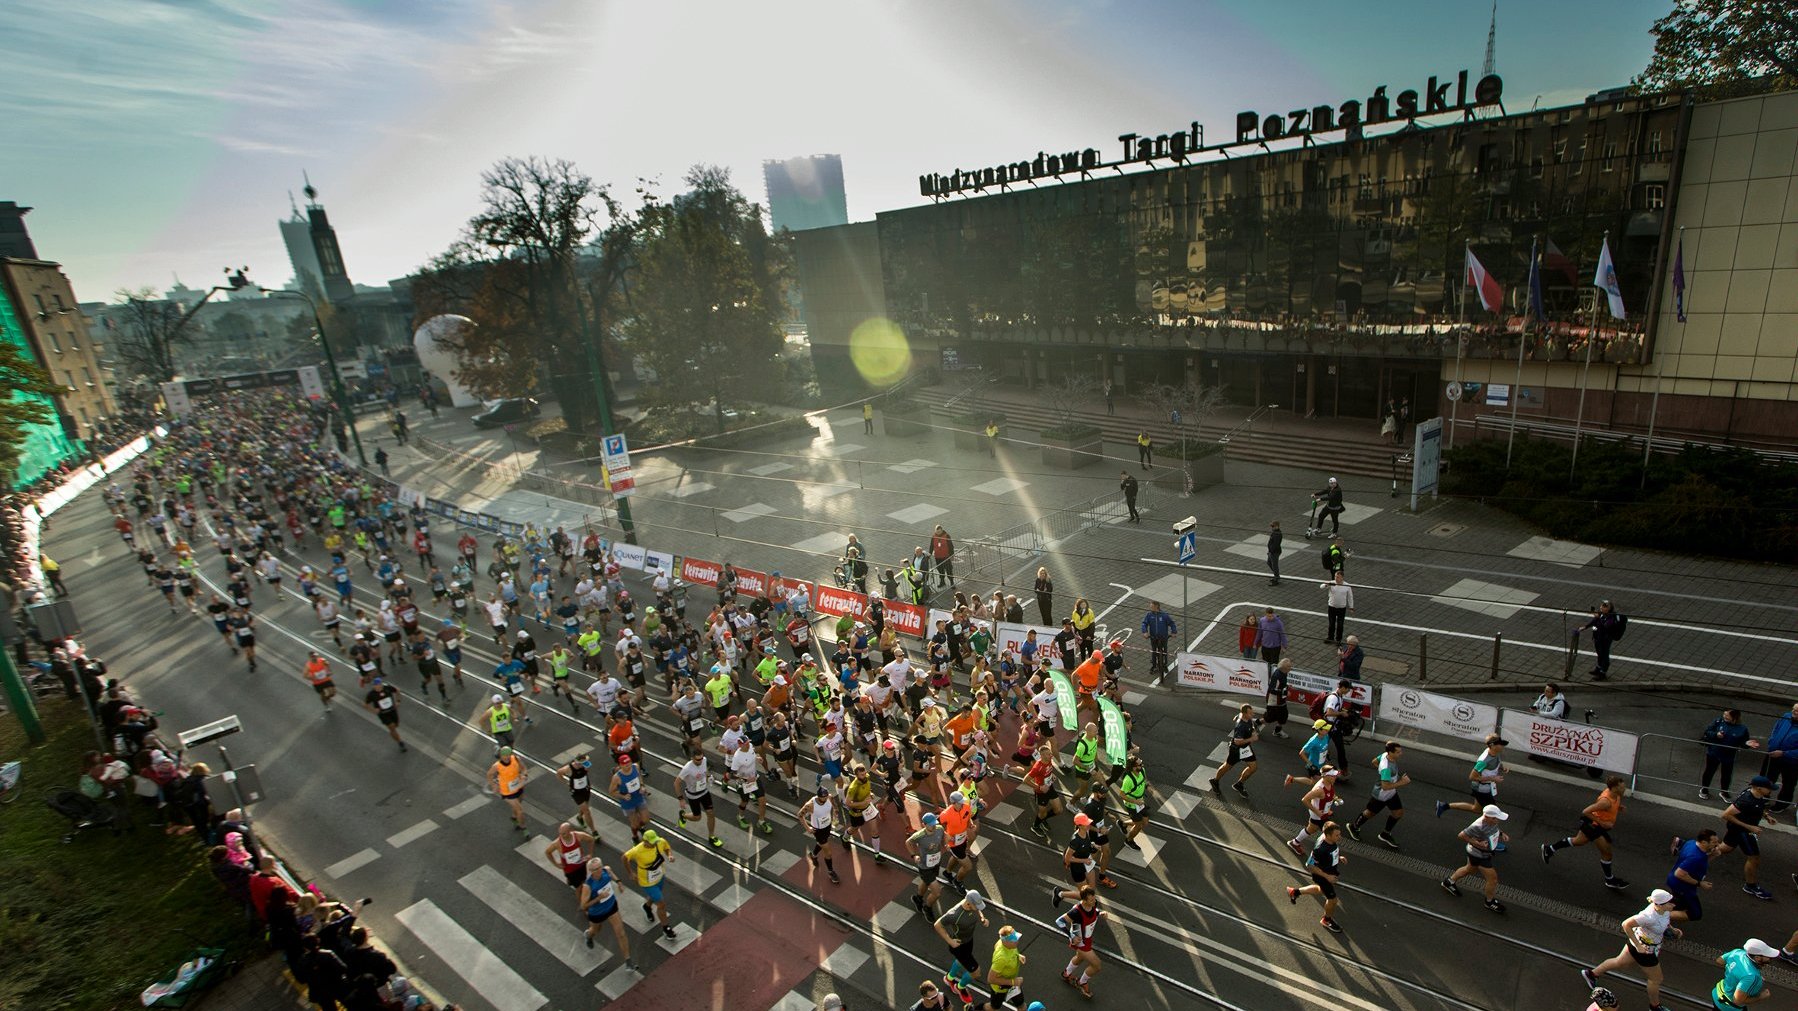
(592, 644)
(719, 688)
(559, 659)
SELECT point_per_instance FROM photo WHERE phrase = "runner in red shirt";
(1041, 777)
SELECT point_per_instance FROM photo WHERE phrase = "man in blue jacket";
(1723, 739)
(1158, 625)
(1782, 756)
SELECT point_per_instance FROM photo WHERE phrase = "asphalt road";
(470, 904)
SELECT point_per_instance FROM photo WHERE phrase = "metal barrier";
(1678, 763)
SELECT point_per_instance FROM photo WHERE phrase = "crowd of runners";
(896, 752)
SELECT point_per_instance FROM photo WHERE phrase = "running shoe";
(1450, 887)
(668, 932)
(1386, 837)
(1331, 925)
(1591, 980)
(717, 843)
(1441, 806)
(1758, 892)
(1108, 881)
(589, 940)
(1086, 989)
(1548, 852)
(918, 901)
(1616, 884)
(1353, 832)
(1214, 787)
(1495, 905)
(1055, 896)
(1704, 793)
(834, 879)
(1295, 848)
(1292, 895)
(649, 912)
(1286, 782)
(1240, 791)
(767, 828)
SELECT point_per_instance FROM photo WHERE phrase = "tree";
(1718, 47)
(538, 269)
(153, 330)
(33, 394)
(706, 306)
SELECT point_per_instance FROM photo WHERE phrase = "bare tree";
(153, 329)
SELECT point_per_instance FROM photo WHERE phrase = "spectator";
(234, 879)
(285, 930)
(942, 549)
(1159, 626)
(323, 973)
(1782, 756)
(1270, 637)
(1337, 706)
(1607, 627)
(1274, 539)
(1348, 659)
(1551, 703)
(1247, 634)
(1045, 595)
(1723, 738)
(1275, 714)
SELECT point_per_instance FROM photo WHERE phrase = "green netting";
(45, 445)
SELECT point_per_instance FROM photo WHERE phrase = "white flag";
(1606, 279)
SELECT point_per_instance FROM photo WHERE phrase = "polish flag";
(1491, 295)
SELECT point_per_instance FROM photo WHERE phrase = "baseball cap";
(891, 745)
(650, 837)
(1660, 896)
(377, 681)
(1761, 781)
(975, 898)
(928, 819)
(1492, 811)
(1037, 1005)
(625, 758)
(1321, 725)
(1083, 819)
(499, 698)
(1011, 938)
(505, 752)
(831, 1003)
(1331, 773)
(1756, 946)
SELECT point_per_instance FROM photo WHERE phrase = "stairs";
(1333, 446)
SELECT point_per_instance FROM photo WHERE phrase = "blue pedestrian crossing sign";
(1188, 545)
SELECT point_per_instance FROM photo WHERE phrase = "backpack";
(1622, 625)
(1316, 711)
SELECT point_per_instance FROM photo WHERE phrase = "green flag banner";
(1112, 721)
(1064, 698)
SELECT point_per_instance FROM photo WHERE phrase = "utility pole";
(596, 366)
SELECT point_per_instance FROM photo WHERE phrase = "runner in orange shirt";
(318, 675)
(957, 817)
(1086, 682)
(1595, 825)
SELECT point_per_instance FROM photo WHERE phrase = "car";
(507, 411)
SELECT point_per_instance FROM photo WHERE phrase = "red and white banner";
(699, 572)
(906, 619)
(1578, 743)
(1302, 688)
(1220, 673)
(751, 583)
(1011, 637)
(836, 602)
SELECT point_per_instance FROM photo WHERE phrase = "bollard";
(1498, 639)
(1423, 657)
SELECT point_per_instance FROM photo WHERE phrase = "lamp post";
(343, 400)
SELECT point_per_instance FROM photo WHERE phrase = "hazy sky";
(157, 137)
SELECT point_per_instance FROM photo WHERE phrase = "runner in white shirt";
(696, 793)
(604, 693)
(1048, 711)
(625, 638)
(819, 817)
(732, 736)
(496, 617)
(1643, 935)
(745, 778)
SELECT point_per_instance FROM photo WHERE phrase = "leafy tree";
(153, 330)
(706, 305)
(33, 393)
(1719, 46)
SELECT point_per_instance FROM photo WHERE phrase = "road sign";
(1188, 545)
(1454, 391)
(616, 467)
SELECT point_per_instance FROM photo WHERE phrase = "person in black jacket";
(1605, 626)
(1331, 497)
(1274, 537)
(323, 973)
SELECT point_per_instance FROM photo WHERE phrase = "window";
(1560, 149)
(1535, 168)
(1610, 156)
(74, 343)
(40, 303)
(1654, 196)
(1654, 142)
(87, 376)
(48, 336)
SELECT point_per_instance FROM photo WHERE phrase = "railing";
(1670, 445)
(1677, 765)
(954, 402)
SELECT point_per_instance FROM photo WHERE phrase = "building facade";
(43, 446)
(48, 318)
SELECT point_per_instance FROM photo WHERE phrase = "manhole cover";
(1447, 529)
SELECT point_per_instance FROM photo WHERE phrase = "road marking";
(618, 982)
(912, 466)
(836, 448)
(823, 544)
(571, 754)
(1179, 804)
(843, 962)
(467, 807)
(1546, 549)
(1134, 699)
(1000, 486)
(486, 972)
(770, 468)
(557, 933)
(693, 877)
(694, 488)
(683, 934)
(1169, 589)
(1150, 846)
(893, 917)
(352, 863)
(731, 898)
(1489, 599)
(795, 1001)
(1355, 513)
(917, 514)
(413, 834)
(1255, 547)
(532, 850)
(748, 512)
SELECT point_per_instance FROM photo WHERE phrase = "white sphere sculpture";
(438, 360)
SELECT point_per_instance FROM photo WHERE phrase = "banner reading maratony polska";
(1579, 743)
(1441, 714)
(1220, 673)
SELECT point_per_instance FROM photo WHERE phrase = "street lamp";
(343, 400)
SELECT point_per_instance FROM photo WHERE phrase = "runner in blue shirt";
(599, 900)
(1742, 984)
(1314, 752)
(340, 575)
(1688, 875)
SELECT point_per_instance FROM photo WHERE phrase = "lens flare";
(880, 351)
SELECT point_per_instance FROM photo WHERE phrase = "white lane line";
(618, 982)
(748, 512)
(1000, 486)
(485, 971)
(557, 933)
(694, 488)
(532, 850)
(730, 899)
(836, 448)
(1485, 598)
(770, 468)
(912, 466)
(844, 961)
(467, 807)
(352, 863)
(413, 834)
(918, 513)
(823, 544)
(1571, 554)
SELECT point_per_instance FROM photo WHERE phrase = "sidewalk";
(262, 984)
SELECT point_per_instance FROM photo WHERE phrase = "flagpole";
(1454, 404)
(1522, 342)
(1580, 417)
(1660, 366)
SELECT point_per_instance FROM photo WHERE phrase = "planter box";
(904, 423)
(1207, 471)
(1072, 453)
(970, 429)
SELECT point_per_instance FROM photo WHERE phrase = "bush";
(1725, 502)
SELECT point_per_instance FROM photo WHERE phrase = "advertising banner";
(1438, 714)
(311, 386)
(699, 572)
(751, 583)
(1220, 673)
(906, 619)
(1011, 636)
(616, 466)
(653, 560)
(1301, 688)
(1578, 743)
(410, 497)
(1064, 699)
(629, 556)
(1111, 720)
(836, 602)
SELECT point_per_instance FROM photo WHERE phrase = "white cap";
(1660, 896)
(499, 698)
(1492, 811)
(1756, 946)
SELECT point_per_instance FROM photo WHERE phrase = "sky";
(158, 138)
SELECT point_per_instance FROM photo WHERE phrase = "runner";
(506, 777)
(1642, 937)
(1241, 741)
(695, 782)
(1742, 819)
(926, 849)
(1487, 772)
(318, 675)
(366, 658)
(429, 667)
(1079, 924)
(449, 636)
(1093, 807)
(1080, 858)
(1005, 972)
(745, 779)
(1041, 776)
(599, 900)
(956, 927)
(329, 618)
(1320, 802)
(632, 793)
(784, 752)
(1385, 796)
(864, 816)
(578, 774)
(1325, 865)
(1314, 752)
(1595, 825)
(1692, 863)
(1086, 752)
(243, 631)
(383, 700)
(650, 857)
(957, 819)
(1482, 839)
(499, 722)
(569, 852)
(1133, 787)
(819, 816)
(1742, 984)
